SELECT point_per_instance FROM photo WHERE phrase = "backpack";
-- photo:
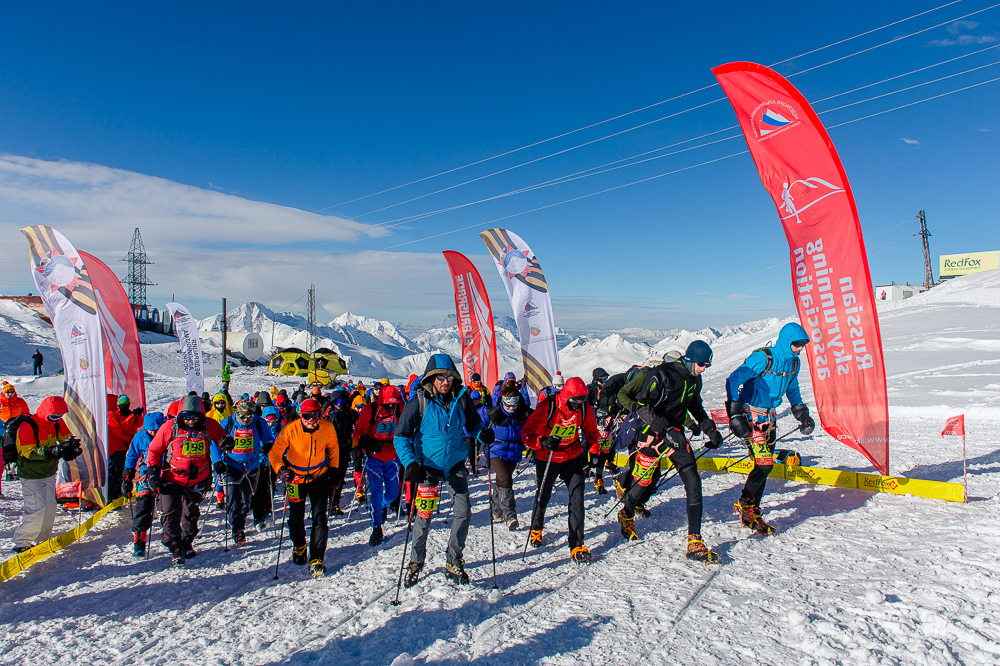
(770, 360)
(10, 436)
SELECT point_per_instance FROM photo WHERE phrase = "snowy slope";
(851, 578)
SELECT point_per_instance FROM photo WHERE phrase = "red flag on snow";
(955, 426)
(830, 282)
(475, 320)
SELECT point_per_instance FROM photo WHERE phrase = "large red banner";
(831, 285)
(122, 355)
(475, 320)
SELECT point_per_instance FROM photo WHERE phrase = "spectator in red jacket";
(123, 423)
(562, 432)
(374, 433)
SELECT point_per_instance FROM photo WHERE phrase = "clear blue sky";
(310, 106)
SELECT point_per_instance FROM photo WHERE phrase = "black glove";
(738, 423)
(51, 452)
(486, 436)
(71, 449)
(806, 423)
(550, 443)
(126, 487)
(696, 429)
(369, 445)
(674, 437)
(286, 475)
(714, 436)
(227, 444)
(415, 472)
(734, 408)
(137, 411)
(219, 467)
(153, 478)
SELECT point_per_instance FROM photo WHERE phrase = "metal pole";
(493, 543)
(223, 327)
(281, 534)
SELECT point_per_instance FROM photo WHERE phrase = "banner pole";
(965, 473)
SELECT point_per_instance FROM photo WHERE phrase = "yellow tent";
(322, 367)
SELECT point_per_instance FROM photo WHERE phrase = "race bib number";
(385, 429)
(193, 448)
(292, 489)
(643, 470)
(606, 444)
(566, 433)
(426, 500)
(244, 441)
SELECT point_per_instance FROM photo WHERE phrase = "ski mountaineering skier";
(670, 392)
(343, 419)
(138, 450)
(179, 468)
(303, 456)
(560, 430)
(754, 391)
(374, 432)
(506, 419)
(240, 467)
(432, 449)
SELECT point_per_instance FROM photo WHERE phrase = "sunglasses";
(220, 404)
(703, 365)
(444, 379)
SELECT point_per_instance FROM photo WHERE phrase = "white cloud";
(912, 142)
(958, 39)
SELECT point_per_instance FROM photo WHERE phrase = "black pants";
(262, 502)
(180, 513)
(37, 370)
(116, 465)
(571, 472)
(687, 469)
(240, 486)
(142, 508)
(317, 492)
(339, 476)
(603, 458)
(761, 448)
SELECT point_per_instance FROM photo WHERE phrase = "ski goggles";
(310, 416)
(575, 403)
(55, 417)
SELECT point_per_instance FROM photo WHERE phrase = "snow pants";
(358, 458)
(383, 486)
(571, 472)
(339, 476)
(142, 512)
(457, 483)
(262, 502)
(687, 468)
(180, 513)
(317, 491)
(116, 465)
(502, 502)
(240, 488)
(39, 511)
(761, 447)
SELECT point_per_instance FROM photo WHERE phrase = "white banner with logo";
(65, 287)
(186, 329)
(529, 298)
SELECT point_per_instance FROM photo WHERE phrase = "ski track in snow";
(851, 577)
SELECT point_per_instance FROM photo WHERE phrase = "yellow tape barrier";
(22, 561)
(896, 485)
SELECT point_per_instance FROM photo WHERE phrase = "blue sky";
(219, 130)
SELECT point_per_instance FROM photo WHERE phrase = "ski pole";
(406, 544)
(649, 470)
(534, 505)
(489, 486)
(703, 450)
(793, 430)
(281, 535)
(225, 485)
(152, 523)
(735, 462)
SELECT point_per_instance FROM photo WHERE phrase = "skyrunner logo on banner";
(773, 117)
(801, 195)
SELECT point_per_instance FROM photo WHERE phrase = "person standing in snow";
(42, 440)
(138, 450)
(123, 423)
(670, 392)
(37, 359)
(432, 449)
(343, 419)
(560, 430)
(11, 406)
(374, 433)
(240, 467)
(179, 468)
(754, 391)
(506, 420)
(303, 456)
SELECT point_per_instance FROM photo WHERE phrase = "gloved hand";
(51, 452)
(415, 472)
(368, 444)
(286, 475)
(137, 411)
(126, 487)
(738, 423)
(71, 449)
(153, 479)
(806, 423)
(656, 423)
(486, 436)
(550, 443)
(227, 444)
(696, 429)
(219, 467)
(714, 436)
(674, 438)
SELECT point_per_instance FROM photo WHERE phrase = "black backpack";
(10, 436)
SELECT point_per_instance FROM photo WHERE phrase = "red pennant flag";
(955, 426)
(720, 416)
(475, 320)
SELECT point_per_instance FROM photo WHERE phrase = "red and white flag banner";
(475, 320)
(802, 172)
(955, 426)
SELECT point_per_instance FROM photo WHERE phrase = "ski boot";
(581, 555)
(21, 549)
(360, 497)
(536, 538)
(376, 537)
(299, 555)
(599, 487)
(335, 510)
(619, 490)
(641, 511)
(698, 552)
(744, 509)
(412, 574)
(220, 500)
(456, 573)
(177, 561)
(628, 526)
(239, 537)
(138, 544)
(317, 569)
(385, 514)
(512, 524)
(187, 550)
(760, 526)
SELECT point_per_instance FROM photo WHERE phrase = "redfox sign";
(970, 262)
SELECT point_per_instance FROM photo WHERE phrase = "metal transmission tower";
(312, 318)
(924, 234)
(135, 283)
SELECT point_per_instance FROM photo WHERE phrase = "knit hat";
(244, 408)
(474, 377)
(698, 352)
(310, 405)
(124, 400)
(558, 381)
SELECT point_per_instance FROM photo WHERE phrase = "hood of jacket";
(574, 388)
(52, 405)
(599, 374)
(440, 364)
(790, 332)
(153, 421)
(389, 395)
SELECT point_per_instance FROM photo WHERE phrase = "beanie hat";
(698, 352)
(558, 381)
(475, 395)
(309, 405)
(474, 377)
(124, 400)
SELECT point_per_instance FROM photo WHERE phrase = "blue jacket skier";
(138, 449)
(754, 391)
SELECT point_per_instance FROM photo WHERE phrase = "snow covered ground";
(851, 577)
